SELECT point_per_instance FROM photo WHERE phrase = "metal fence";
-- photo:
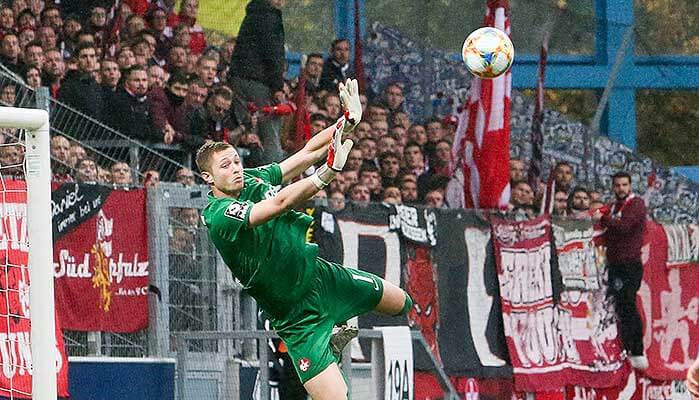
(98, 141)
(225, 375)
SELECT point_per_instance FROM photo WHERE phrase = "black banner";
(72, 204)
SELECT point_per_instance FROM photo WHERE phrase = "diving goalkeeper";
(262, 240)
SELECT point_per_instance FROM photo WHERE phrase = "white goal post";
(37, 165)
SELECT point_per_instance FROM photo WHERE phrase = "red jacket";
(625, 225)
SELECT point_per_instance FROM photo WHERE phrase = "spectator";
(25, 36)
(188, 17)
(60, 159)
(121, 174)
(376, 112)
(401, 118)
(379, 129)
(26, 20)
(417, 133)
(34, 55)
(351, 177)
(151, 178)
(387, 144)
(126, 58)
(595, 195)
(177, 59)
(104, 176)
(408, 191)
(47, 36)
(8, 94)
(391, 195)
(563, 175)
(53, 70)
(522, 201)
(109, 76)
(522, 195)
(51, 17)
(339, 183)
(393, 96)
(156, 18)
(184, 176)
(414, 159)
(12, 161)
(196, 94)
(257, 66)
(360, 195)
(517, 170)
(86, 171)
(32, 76)
(332, 106)
(143, 47)
(168, 108)
(336, 200)
(215, 121)
(9, 53)
(71, 29)
(435, 199)
(389, 164)
(579, 204)
(362, 130)
(77, 152)
(156, 77)
(206, 70)
(318, 123)
(560, 202)
(625, 224)
(311, 72)
(368, 147)
(128, 109)
(7, 21)
(80, 89)
(369, 177)
(97, 24)
(336, 69)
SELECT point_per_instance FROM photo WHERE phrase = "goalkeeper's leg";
(394, 301)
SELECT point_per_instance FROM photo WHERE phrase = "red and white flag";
(481, 149)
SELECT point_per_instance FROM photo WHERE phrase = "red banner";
(15, 327)
(523, 256)
(101, 258)
(669, 300)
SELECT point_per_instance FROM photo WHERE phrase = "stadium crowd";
(147, 71)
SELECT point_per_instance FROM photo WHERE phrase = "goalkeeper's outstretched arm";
(298, 192)
(315, 149)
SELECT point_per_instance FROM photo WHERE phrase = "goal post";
(37, 171)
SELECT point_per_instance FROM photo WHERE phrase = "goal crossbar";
(38, 179)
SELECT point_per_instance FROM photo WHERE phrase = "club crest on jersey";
(304, 364)
(236, 211)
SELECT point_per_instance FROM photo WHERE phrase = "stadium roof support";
(614, 17)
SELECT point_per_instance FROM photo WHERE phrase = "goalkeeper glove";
(349, 96)
(338, 151)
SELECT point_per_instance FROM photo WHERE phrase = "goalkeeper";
(262, 240)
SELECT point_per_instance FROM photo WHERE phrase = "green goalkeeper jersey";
(272, 261)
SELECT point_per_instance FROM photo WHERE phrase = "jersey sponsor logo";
(236, 211)
(304, 364)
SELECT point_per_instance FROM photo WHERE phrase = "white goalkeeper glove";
(338, 151)
(349, 96)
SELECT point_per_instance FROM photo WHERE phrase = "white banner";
(398, 363)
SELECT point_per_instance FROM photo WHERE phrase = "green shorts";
(338, 293)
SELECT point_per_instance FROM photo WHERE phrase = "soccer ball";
(488, 52)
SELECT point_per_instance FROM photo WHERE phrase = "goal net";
(28, 355)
